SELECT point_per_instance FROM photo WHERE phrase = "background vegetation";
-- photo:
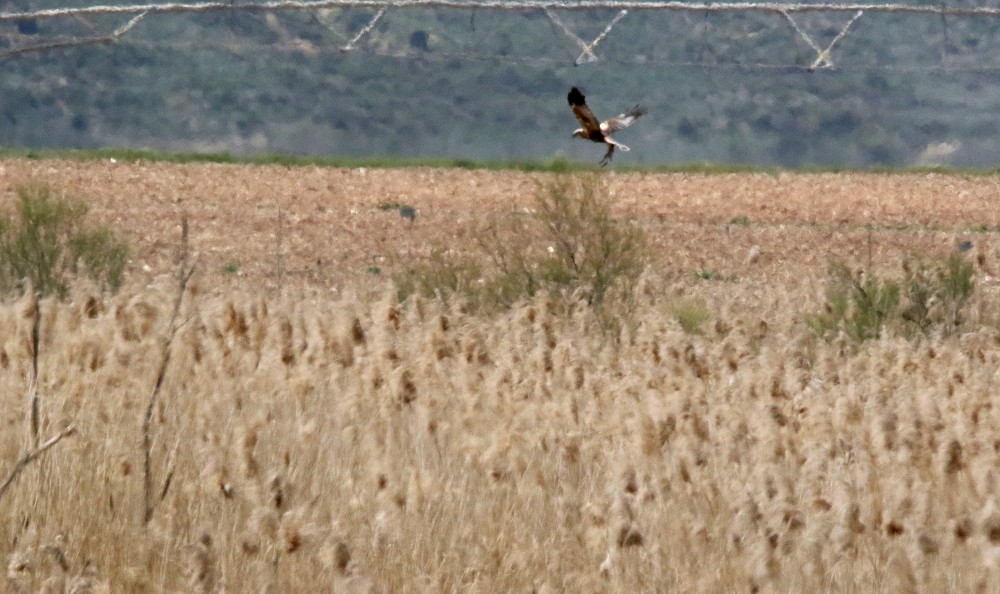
(726, 88)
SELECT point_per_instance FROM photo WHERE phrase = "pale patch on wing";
(623, 121)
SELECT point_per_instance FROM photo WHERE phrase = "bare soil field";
(331, 225)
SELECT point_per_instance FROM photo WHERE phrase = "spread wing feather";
(623, 121)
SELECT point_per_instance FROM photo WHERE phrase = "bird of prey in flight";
(598, 131)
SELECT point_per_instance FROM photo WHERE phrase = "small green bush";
(569, 245)
(690, 315)
(937, 293)
(931, 296)
(857, 303)
(711, 275)
(588, 250)
(443, 275)
(47, 243)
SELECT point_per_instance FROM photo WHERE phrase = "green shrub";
(690, 315)
(931, 296)
(569, 245)
(857, 303)
(711, 275)
(937, 293)
(443, 275)
(47, 243)
(588, 250)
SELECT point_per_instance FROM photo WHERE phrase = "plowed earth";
(265, 225)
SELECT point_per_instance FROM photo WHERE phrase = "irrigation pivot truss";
(133, 14)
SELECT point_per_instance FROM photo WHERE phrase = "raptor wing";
(624, 120)
(586, 117)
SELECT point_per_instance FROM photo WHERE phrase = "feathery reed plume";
(20, 566)
(251, 469)
(87, 584)
(991, 523)
(953, 457)
(357, 332)
(341, 557)
(201, 567)
(900, 574)
(406, 391)
(277, 490)
(54, 584)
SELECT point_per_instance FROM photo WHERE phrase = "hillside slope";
(721, 87)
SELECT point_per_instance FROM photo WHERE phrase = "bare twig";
(168, 480)
(33, 386)
(37, 449)
(870, 229)
(184, 275)
(279, 261)
(33, 454)
(182, 255)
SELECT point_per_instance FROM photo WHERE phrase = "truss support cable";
(588, 51)
(823, 59)
(588, 55)
(629, 5)
(364, 30)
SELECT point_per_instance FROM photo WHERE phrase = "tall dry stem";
(184, 274)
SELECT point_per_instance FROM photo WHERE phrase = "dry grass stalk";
(742, 449)
(37, 449)
(36, 311)
(33, 455)
(185, 272)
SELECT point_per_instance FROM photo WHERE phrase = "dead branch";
(33, 385)
(32, 455)
(279, 262)
(184, 275)
(37, 449)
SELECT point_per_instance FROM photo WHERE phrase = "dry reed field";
(312, 433)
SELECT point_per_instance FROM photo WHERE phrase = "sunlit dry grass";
(330, 439)
(350, 443)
